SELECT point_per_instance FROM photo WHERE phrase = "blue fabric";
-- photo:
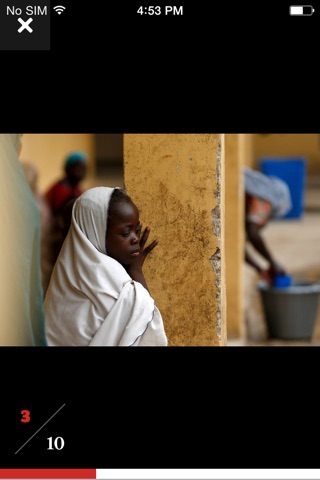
(75, 157)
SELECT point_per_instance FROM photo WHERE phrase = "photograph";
(160, 240)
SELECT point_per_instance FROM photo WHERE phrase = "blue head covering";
(75, 157)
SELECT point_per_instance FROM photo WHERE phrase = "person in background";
(21, 293)
(61, 193)
(266, 198)
(46, 221)
(98, 295)
(69, 186)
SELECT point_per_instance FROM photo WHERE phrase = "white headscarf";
(91, 299)
(269, 188)
(21, 295)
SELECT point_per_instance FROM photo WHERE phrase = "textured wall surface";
(236, 149)
(175, 182)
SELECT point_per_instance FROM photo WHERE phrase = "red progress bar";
(47, 473)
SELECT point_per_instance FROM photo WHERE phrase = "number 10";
(58, 443)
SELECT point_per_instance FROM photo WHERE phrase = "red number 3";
(25, 416)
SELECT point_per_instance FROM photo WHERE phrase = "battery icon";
(301, 10)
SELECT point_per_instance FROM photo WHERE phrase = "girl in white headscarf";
(97, 294)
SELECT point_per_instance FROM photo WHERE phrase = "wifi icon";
(59, 9)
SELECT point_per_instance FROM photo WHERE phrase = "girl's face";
(123, 234)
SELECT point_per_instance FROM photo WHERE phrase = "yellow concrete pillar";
(235, 150)
(177, 182)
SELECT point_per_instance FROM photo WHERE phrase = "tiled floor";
(296, 245)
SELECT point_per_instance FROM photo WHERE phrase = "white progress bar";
(207, 474)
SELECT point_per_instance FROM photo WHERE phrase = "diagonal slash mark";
(40, 428)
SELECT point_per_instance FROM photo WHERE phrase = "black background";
(178, 407)
(220, 68)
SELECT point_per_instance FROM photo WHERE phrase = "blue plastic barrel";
(291, 170)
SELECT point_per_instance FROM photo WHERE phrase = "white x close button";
(25, 25)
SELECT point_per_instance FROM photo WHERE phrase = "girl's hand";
(144, 251)
(135, 268)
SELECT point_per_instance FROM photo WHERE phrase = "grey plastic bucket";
(290, 312)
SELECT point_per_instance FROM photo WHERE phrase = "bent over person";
(266, 197)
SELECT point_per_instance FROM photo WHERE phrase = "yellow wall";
(177, 182)
(297, 145)
(48, 152)
(236, 154)
(246, 152)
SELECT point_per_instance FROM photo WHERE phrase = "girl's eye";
(125, 234)
(138, 232)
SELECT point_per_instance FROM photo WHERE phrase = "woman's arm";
(255, 238)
